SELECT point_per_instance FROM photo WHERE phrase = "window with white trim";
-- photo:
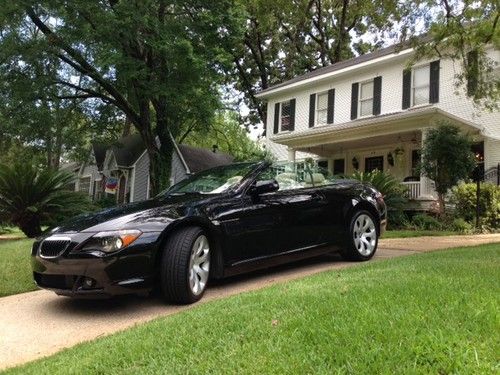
(322, 108)
(84, 185)
(366, 98)
(420, 85)
(285, 116)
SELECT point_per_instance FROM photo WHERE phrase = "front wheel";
(185, 266)
(362, 238)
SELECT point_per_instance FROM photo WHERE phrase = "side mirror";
(266, 186)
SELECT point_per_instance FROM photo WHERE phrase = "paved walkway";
(37, 324)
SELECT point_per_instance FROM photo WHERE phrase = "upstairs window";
(421, 85)
(322, 109)
(285, 116)
(366, 98)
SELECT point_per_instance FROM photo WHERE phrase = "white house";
(370, 112)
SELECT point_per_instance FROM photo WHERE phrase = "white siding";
(178, 172)
(491, 153)
(451, 100)
(141, 176)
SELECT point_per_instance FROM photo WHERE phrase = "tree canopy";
(158, 62)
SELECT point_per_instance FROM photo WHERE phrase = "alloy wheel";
(199, 265)
(364, 235)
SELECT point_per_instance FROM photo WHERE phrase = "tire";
(185, 266)
(362, 237)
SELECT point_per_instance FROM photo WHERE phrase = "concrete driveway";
(37, 324)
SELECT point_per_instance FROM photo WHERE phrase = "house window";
(366, 99)
(322, 109)
(84, 185)
(376, 162)
(285, 116)
(421, 85)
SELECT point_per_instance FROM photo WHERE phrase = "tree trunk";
(442, 208)
(30, 226)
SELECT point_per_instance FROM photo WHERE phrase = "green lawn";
(15, 268)
(433, 313)
(417, 233)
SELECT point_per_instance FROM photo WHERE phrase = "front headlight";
(111, 241)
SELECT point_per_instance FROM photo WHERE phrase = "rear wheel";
(185, 266)
(363, 237)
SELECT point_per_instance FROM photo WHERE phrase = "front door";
(375, 162)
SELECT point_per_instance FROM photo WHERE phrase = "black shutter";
(292, 114)
(276, 117)
(434, 82)
(377, 95)
(331, 106)
(354, 100)
(406, 88)
(312, 109)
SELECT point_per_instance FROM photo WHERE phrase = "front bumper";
(130, 271)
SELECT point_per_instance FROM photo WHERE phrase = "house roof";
(393, 49)
(127, 150)
(199, 159)
(71, 166)
(411, 116)
(99, 153)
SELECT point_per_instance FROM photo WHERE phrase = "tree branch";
(81, 65)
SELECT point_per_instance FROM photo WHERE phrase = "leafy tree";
(228, 136)
(158, 62)
(285, 38)
(446, 158)
(461, 31)
(28, 196)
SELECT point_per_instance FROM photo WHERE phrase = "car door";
(246, 225)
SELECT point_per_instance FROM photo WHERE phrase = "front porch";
(397, 154)
(390, 144)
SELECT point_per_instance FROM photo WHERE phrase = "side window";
(295, 176)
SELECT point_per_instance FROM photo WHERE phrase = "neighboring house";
(370, 113)
(122, 170)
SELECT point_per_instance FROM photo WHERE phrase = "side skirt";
(278, 259)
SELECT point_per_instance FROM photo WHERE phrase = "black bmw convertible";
(218, 223)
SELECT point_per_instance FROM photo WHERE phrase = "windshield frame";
(253, 166)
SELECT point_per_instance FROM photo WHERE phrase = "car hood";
(151, 215)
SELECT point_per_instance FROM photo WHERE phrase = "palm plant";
(394, 193)
(29, 196)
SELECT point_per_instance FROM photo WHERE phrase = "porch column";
(426, 189)
(291, 155)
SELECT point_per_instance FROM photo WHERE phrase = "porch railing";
(413, 189)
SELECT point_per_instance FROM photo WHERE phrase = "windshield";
(213, 181)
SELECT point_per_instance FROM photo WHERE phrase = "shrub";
(398, 220)
(394, 193)
(463, 197)
(30, 196)
(426, 222)
(462, 226)
(106, 201)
